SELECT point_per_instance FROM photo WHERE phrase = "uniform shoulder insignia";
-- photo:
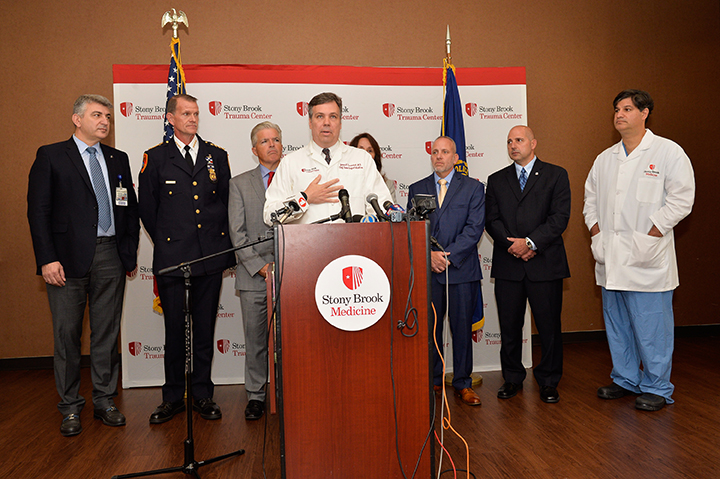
(159, 144)
(145, 162)
(213, 144)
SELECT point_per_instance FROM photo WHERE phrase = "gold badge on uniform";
(211, 168)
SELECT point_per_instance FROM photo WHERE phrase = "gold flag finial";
(447, 44)
(174, 18)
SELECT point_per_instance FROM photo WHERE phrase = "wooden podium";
(334, 387)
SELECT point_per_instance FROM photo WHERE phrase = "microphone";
(285, 213)
(345, 212)
(357, 219)
(395, 212)
(372, 198)
(369, 219)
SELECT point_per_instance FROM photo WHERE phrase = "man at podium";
(311, 177)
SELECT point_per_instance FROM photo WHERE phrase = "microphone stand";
(191, 466)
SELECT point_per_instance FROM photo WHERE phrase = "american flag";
(176, 81)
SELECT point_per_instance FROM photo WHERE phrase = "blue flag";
(452, 124)
(454, 127)
(176, 82)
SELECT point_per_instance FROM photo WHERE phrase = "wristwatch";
(528, 243)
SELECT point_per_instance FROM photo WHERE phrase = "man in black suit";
(183, 196)
(83, 218)
(457, 224)
(247, 198)
(528, 208)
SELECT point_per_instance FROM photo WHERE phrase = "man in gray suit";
(245, 209)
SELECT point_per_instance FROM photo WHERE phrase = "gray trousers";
(253, 305)
(103, 288)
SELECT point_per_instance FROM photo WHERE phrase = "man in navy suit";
(528, 208)
(183, 206)
(83, 218)
(245, 209)
(457, 224)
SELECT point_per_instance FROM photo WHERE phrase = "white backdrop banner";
(400, 107)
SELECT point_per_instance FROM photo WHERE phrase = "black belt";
(105, 239)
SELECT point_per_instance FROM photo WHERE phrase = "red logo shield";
(223, 345)
(471, 109)
(302, 108)
(135, 348)
(126, 108)
(428, 147)
(352, 277)
(388, 109)
(215, 107)
(652, 167)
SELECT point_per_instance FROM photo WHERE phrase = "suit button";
(196, 197)
(168, 239)
(194, 183)
(197, 212)
(199, 226)
(222, 234)
(169, 192)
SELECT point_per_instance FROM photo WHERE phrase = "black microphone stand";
(191, 466)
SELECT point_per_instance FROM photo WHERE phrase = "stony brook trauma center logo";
(352, 293)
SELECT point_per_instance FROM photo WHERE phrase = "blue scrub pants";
(640, 330)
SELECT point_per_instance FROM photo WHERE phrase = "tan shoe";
(469, 397)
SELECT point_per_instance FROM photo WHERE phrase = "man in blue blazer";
(528, 208)
(457, 225)
(83, 217)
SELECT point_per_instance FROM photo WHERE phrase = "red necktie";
(270, 177)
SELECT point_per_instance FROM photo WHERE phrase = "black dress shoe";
(70, 425)
(165, 411)
(613, 391)
(549, 394)
(649, 402)
(509, 390)
(110, 416)
(254, 410)
(207, 408)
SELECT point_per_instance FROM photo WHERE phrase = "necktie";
(101, 192)
(188, 157)
(443, 191)
(523, 178)
(270, 177)
(326, 152)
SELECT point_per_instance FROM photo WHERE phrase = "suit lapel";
(513, 182)
(177, 158)
(257, 184)
(77, 161)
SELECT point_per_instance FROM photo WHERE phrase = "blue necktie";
(101, 193)
(523, 179)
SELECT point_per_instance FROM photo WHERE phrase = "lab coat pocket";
(649, 190)
(648, 251)
(597, 248)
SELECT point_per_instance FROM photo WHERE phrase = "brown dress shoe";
(469, 397)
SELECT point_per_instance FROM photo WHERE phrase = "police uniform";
(185, 213)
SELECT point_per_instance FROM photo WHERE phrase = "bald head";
(521, 144)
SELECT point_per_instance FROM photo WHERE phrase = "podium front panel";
(336, 401)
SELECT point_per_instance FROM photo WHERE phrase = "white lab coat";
(354, 167)
(626, 196)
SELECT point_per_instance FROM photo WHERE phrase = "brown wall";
(578, 55)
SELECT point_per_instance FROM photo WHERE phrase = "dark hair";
(376, 148)
(322, 98)
(172, 102)
(641, 99)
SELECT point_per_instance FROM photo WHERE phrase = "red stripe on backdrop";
(319, 74)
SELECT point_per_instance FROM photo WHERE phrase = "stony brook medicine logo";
(142, 112)
(225, 346)
(410, 113)
(352, 293)
(238, 112)
(495, 112)
(301, 108)
(146, 351)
